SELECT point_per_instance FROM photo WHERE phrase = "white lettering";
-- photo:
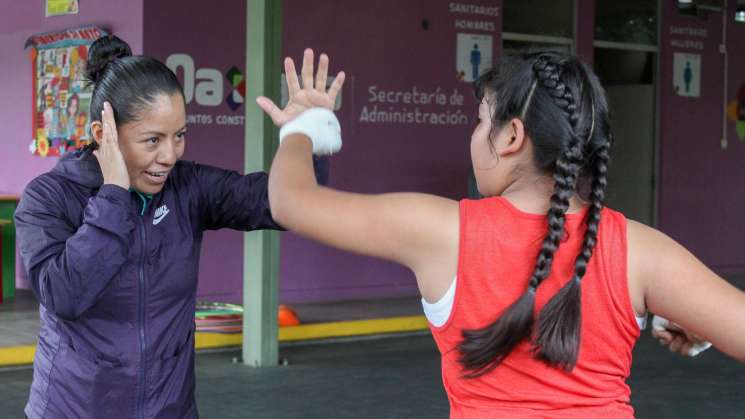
(473, 9)
(185, 62)
(209, 89)
(478, 25)
(205, 85)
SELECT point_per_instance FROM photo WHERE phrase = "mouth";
(156, 177)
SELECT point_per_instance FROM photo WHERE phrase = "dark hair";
(565, 113)
(129, 83)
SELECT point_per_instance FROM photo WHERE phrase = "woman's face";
(72, 106)
(152, 144)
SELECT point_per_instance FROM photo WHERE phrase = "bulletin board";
(60, 94)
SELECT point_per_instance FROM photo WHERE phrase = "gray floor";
(400, 378)
(19, 320)
(19, 317)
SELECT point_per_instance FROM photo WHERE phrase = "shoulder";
(643, 238)
(45, 187)
(184, 174)
(48, 195)
(651, 253)
(189, 171)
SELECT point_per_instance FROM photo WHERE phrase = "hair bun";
(102, 52)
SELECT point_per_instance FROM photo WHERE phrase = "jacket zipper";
(141, 395)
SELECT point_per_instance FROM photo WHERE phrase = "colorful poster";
(61, 94)
(687, 74)
(61, 7)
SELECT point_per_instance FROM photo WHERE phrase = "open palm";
(312, 94)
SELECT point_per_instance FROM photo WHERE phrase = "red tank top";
(498, 249)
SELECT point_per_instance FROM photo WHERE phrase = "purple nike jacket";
(117, 282)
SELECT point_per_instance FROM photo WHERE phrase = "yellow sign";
(61, 7)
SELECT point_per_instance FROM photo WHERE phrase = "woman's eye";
(152, 141)
(181, 135)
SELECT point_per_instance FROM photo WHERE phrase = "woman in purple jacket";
(110, 239)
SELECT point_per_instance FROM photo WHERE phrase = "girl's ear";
(512, 138)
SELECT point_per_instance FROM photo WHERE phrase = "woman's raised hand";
(312, 94)
(109, 156)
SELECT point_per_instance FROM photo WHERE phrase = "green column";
(7, 209)
(261, 248)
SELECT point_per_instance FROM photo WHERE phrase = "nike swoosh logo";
(160, 218)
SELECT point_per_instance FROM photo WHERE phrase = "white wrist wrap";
(661, 323)
(320, 125)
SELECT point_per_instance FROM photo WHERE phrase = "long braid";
(483, 349)
(559, 323)
(567, 169)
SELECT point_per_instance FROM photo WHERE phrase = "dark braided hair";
(565, 115)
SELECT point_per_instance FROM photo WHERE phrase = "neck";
(532, 194)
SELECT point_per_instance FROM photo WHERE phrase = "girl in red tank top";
(540, 282)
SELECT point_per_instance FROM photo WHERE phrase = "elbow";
(276, 206)
(67, 313)
(284, 201)
(64, 311)
(64, 307)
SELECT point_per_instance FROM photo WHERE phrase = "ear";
(512, 138)
(97, 131)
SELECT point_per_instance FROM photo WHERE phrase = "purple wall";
(701, 185)
(427, 158)
(382, 44)
(18, 21)
(386, 45)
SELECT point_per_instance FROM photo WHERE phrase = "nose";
(167, 153)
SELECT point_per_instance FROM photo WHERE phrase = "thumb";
(268, 106)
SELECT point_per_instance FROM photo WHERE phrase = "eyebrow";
(158, 133)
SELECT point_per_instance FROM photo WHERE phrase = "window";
(530, 25)
(539, 17)
(628, 21)
(740, 11)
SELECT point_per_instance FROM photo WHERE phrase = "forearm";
(291, 178)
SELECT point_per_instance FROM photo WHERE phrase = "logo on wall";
(205, 86)
(736, 112)
(235, 78)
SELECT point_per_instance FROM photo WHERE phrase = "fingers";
(685, 349)
(109, 125)
(336, 86)
(270, 109)
(323, 73)
(663, 336)
(677, 344)
(674, 327)
(293, 85)
(307, 70)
